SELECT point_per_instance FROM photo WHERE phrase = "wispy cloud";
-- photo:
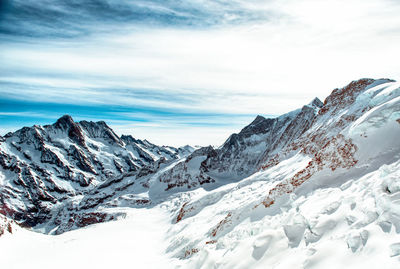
(74, 18)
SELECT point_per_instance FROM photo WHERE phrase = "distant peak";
(100, 129)
(94, 124)
(65, 117)
(103, 123)
(316, 103)
(258, 119)
(258, 125)
(64, 122)
(187, 147)
(128, 139)
(67, 124)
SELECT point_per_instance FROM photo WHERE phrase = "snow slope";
(134, 242)
(353, 225)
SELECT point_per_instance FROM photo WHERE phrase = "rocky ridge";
(47, 165)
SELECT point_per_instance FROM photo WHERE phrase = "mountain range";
(283, 192)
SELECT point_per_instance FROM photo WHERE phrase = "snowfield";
(353, 225)
(138, 241)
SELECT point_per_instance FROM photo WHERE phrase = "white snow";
(135, 242)
(2, 179)
(377, 131)
(194, 164)
(329, 228)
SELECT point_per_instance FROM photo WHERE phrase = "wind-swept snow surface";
(138, 241)
(351, 225)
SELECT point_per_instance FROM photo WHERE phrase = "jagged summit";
(259, 125)
(64, 122)
(67, 121)
(74, 131)
(100, 130)
(258, 119)
(316, 102)
(129, 139)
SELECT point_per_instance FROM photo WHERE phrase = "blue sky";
(185, 72)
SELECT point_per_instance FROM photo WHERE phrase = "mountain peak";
(95, 124)
(258, 119)
(316, 103)
(64, 122)
(258, 125)
(343, 97)
(100, 129)
(128, 139)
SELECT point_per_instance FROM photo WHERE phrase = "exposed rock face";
(74, 131)
(100, 130)
(190, 173)
(342, 98)
(6, 225)
(243, 153)
(324, 141)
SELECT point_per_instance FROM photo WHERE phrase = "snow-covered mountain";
(315, 188)
(244, 153)
(46, 167)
